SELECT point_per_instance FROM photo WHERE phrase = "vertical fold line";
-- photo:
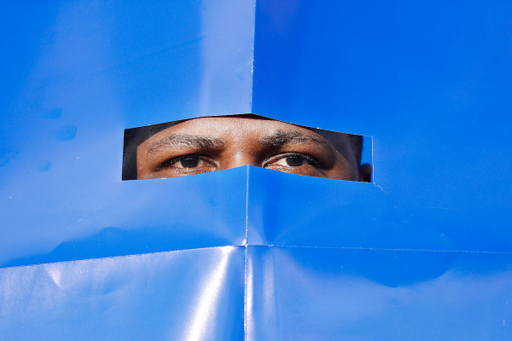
(246, 253)
(247, 207)
(252, 62)
(246, 279)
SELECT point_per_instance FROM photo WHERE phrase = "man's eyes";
(199, 163)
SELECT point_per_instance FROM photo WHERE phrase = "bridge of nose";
(241, 157)
(242, 150)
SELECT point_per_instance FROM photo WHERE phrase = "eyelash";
(177, 159)
(314, 161)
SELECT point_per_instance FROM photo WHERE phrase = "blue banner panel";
(77, 74)
(340, 294)
(369, 65)
(131, 217)
(184, 295)
(285, 209)
(430, 82)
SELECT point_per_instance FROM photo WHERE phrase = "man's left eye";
(294, 161)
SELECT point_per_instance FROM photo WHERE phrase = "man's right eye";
(187, 162)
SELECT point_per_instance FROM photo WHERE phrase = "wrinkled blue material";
(153, 296)
(423, 252)
(332, 294)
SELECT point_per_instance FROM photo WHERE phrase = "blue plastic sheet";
(158, 296)
(423, 252)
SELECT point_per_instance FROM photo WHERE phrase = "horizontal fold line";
(381, 249)
(120, 256)
(272, 246)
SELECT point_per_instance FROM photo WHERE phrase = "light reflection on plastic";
(208, 297)
(268, 301)
(55, 273)
(249, 294)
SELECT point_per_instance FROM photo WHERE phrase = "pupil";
(190, 162)
(294, 161)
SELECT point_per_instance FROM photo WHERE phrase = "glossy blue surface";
(332, 294)
(137, 217)
(291, 211)
(154, 296)
(95, 69)
(430, 83)
(424, 251)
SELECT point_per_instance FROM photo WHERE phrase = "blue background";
(424, 251)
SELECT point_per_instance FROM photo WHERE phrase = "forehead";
(241, 127)
(230, 126)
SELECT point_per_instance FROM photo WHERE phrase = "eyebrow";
(281, 138)
(194, 141)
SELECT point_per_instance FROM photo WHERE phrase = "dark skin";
(210, 144)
